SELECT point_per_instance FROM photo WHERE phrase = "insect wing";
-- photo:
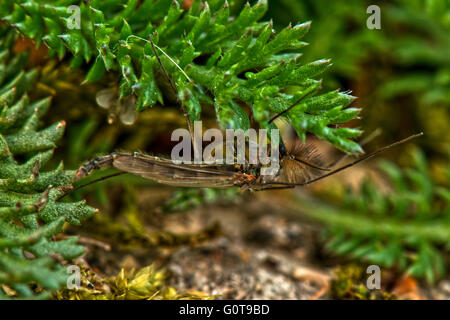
(166, 172)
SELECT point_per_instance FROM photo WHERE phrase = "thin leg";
(363, 142)
(291, 106)
(366, 157)
(309, 164)
(172, 85)
(273, 187)
(92, 182)
(366, 140)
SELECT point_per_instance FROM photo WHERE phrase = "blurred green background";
(401, 76)
(392, 211)
(400, 73)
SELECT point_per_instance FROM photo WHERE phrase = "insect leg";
(172, 85)
(363, 142)
(92, 182)
(97, 163)
(313, 88)
(366, 140)
(366, 157)
(273, 187)
(309, 164)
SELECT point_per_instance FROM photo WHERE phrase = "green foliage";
(221, 56)
(30, 214)
(401, 72)
(233, 63)
(414, 36)
(425, 47)
(407, 227)
(338, 31)
(186, 199)
(350, 284)
(419, 42)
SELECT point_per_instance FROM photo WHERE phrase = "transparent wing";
(182, 175)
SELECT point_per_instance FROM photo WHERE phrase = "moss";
(349, 283)
(148, 283)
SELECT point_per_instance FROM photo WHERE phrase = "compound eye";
(282, 149)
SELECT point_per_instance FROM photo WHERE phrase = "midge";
(299, 165)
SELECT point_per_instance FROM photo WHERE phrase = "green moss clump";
(147, 283)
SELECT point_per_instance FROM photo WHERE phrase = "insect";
(299, 165)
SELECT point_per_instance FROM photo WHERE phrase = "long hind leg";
(363, 142)
(366, 140)
(175, 91)
(360, 159)
(273, 187)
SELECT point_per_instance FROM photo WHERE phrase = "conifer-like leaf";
(407, 227)
(235, 62)
(30, 213)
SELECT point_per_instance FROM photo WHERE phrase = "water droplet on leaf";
(128, 114)
(106, 98)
